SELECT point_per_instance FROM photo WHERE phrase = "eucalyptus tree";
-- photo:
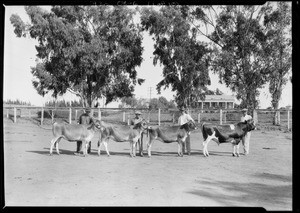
(240, 39)
(185, 60)
(91, 51)
(278, 24)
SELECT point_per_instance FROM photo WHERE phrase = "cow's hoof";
(50, 154)
(233, 155)
(108, 155)
(238, 155)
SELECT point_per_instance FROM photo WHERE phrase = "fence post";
(220, 116)
(149, 116)
(52, 116)
(7, 113)
(15, 114)
(42, 116)
(278, 117)
(99, 114)
(255, 118)
(128, 118)
(288, 117)
(199, 117)
(173, 118)
(70, 115)
(29, 113)
(225, 113)
(158, 116)
(76, 114)
(124, 116)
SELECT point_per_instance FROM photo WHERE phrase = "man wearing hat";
(137, 119)
(183, 119)
(84, 118)
(246, 138)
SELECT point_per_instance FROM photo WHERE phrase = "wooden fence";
(158, 116)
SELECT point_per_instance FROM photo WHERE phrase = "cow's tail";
(204, 133)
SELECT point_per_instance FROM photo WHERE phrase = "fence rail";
(158, 116)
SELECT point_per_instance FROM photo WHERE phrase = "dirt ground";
(33, 178)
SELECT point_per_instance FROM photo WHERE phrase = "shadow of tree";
(247, 194)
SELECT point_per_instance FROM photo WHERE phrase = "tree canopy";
(185, 60)
(91, 51)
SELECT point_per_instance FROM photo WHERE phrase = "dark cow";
(228, 133)
(175, 134)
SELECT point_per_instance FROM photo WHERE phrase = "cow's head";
(249, 125)
(141, 125)
(189, 126)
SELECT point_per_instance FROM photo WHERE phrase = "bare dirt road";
(33, 178)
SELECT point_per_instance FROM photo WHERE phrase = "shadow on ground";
(248, 194)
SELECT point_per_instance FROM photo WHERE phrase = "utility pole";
(150, 93)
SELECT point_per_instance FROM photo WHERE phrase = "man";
(246, 138)
(84, 118)
(183, 119)
(138, 118)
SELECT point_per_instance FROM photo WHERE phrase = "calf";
(181, 133)
(228, 133)
(133, 136)
(73, 132)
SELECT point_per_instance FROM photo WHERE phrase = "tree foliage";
(241, 59)
(278, 24)
(91, 51)
(185, 60)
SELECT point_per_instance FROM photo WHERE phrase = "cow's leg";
(237, 150)
(131, 147)
(106, 147)
(233, 150)
(57, 142)
(149, 144)
(180, 148)
(85, 147)
(205, 143)
(53, 141)
(135, 141)
(99, 147)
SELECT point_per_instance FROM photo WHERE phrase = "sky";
(20, 55)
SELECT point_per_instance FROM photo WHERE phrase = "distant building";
(216, 102)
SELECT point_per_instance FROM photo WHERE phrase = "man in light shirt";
(183, 119)
(246, 139)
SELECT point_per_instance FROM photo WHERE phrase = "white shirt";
(183, 119)
(246, 118)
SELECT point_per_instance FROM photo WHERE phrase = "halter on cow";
(228, 133)
(180, 136)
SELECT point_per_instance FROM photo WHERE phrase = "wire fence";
(46, 115)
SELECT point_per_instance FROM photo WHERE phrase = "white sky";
(20, 55)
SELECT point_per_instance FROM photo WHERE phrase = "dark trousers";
(79, 145)
(187, 145)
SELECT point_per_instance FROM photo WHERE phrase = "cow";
(181, 133)
(228, 133)
(133, 136)
(73, 133)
